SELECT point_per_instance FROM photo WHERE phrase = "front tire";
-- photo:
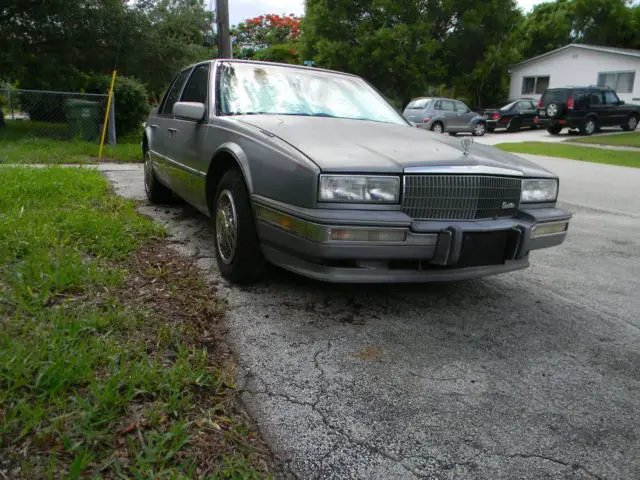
(631, 124)
(157, 193)
(479, 130)
(437, 128)
(237, 247)
(514, 125)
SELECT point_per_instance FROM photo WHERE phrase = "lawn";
(112, 360)
(574, 152)
(629, 139)
(37, 142)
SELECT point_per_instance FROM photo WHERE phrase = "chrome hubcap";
(480, 129)
(437, 128)
(226, 227)
(148, 172)
(591, 126)
(552, 110)
(633, 123)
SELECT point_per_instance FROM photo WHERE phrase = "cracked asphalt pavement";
(526, 375)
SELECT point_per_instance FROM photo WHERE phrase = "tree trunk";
(1, 118)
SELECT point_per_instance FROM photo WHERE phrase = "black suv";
(585, 108)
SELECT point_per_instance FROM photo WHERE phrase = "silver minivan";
(444, 115)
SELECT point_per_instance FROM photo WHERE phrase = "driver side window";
(461, 107)
(610, 98)
(174, 93)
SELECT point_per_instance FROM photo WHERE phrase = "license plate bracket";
(483, 248)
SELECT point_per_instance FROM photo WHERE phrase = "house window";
(621, 82)
(534, 85)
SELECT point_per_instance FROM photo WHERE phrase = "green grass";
(629, 139)
(103, 371)
(24, 142)
(587, 154)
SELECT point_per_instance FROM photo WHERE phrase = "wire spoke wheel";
(226, 227)
(148, 173)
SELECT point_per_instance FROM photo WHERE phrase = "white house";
(578, 65)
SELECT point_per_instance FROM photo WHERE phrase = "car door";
(448, 114)
(616, 112)
(187, 146)
(464, 115)
(597, 106)
(164, 128)
(527, 111)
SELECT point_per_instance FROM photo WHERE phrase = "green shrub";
(131, 101)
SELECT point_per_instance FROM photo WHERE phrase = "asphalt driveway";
(539, 135)
(528, 375)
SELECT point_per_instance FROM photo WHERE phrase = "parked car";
(512, 115)
(586, 109)
(313, 171)
(444, 115)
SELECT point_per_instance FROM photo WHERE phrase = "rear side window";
(596, 98)
(446, 105)
(419, 104)
(174, 93)
(554, 96)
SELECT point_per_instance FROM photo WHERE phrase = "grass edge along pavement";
(623, 158)
(626, 139)
(112, 358)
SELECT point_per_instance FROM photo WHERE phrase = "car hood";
(344, 145)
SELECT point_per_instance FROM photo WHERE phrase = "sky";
(240, 10)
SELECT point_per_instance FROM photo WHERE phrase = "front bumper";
(299, 240)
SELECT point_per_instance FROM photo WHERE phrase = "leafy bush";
(131, 101)
(278, 53)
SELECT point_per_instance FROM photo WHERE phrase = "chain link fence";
(58, 115)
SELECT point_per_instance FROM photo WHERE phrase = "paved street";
(528, 375)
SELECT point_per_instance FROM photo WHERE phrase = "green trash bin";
(83, 118)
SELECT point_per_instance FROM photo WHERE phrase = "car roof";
(277, 64)
(582, 87)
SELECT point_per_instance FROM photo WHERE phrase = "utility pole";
(222, 18)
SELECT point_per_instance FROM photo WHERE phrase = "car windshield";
(259, 89)
(418, 104)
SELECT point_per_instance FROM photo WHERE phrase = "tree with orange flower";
(268, 37)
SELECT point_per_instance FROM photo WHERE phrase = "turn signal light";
(365, 235)
(544, 229)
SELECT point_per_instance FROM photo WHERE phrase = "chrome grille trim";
(460, 197)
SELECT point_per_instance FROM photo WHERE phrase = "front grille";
(460, 197)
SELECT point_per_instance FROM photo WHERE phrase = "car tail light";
(495, 116)
(540, 103)
(428, 119)
(570, 103)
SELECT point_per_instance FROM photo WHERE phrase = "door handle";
(153, 126)
(172, 130)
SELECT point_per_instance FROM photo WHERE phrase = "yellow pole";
(106, 114)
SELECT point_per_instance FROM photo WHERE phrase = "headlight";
(359, 189)
(539, 190)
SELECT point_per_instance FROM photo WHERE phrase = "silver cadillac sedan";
(314, 171)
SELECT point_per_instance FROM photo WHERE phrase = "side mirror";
(189, 110)
(621, 102)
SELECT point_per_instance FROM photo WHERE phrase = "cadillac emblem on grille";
(460, 197)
